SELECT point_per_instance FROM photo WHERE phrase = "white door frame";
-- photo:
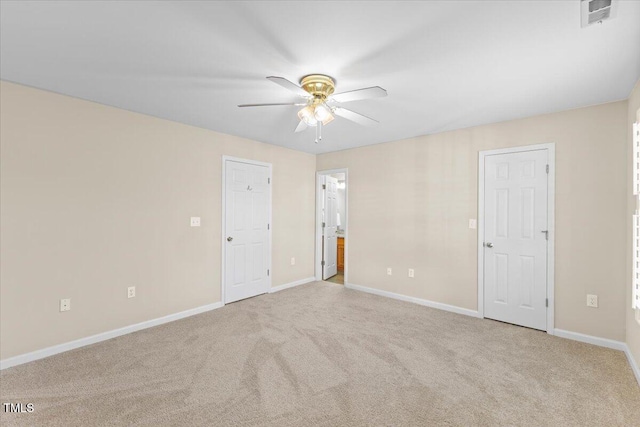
(551, 192)
(318, 263)
(224, 220)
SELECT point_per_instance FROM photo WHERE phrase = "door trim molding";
(551, 192)
(318, 257)
(224, 221)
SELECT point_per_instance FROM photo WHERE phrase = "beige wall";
(96, 199)
(633, 328)
(410, 202)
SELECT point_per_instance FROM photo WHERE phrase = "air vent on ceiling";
(597, 11)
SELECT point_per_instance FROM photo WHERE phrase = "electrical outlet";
(131, 291)
(195, 221)
(411, 272)
(293, 261)
(473, 223)
(65, 304)
(592, 301)
(389, 272)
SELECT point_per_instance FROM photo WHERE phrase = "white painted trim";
(590, 339)
(224, 215)
(292, 284)
(480, 242)
(551, 249)
(318, 258)
(560, 333)
(603, 342)
(419, 301)
(634, 366)
(551, 197)
(61, 348)
(318, 253)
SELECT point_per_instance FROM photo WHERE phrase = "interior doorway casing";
(550, 147)
(224, 222)
(318, 257)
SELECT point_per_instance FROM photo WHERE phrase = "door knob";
(229, 239)
(489, 244)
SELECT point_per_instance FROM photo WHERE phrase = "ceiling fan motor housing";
(319, 86)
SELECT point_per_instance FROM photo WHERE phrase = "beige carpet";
(320, 354)
(337, 279)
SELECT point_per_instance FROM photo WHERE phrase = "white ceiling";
(446, 65)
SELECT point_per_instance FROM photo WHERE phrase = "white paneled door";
(247, 249)
(330, 220)
(516, 238)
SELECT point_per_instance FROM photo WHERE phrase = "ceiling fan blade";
(270, 105)
(289, 85)
(358, 94)
(355, 117)
(301, 126)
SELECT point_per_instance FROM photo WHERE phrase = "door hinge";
(322, 263)
(546, 234)
(547, 168)
(267, 272)
(546, 303)
(323, 225)
(324, 186)
(268, 180)
(268, 226)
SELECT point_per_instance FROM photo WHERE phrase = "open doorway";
(331, 226)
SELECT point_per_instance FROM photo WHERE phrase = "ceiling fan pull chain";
(316, 134)
(320, 130)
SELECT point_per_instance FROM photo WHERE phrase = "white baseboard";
(634, 365)
(292, 284)
(426, 303)
(602, 342)
(589, 339)
(60, 348)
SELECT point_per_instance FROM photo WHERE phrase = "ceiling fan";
(319, 101)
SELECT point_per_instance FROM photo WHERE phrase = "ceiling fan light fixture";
(317, 91)
(307, 115)
(321, 113)
(328, 120)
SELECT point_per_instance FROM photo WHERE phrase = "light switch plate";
(389, 271)
(195, 221)
(473, 224)
(65, 304)
(411, 272)
(293, 261)
(592, 301)
(131, 292)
